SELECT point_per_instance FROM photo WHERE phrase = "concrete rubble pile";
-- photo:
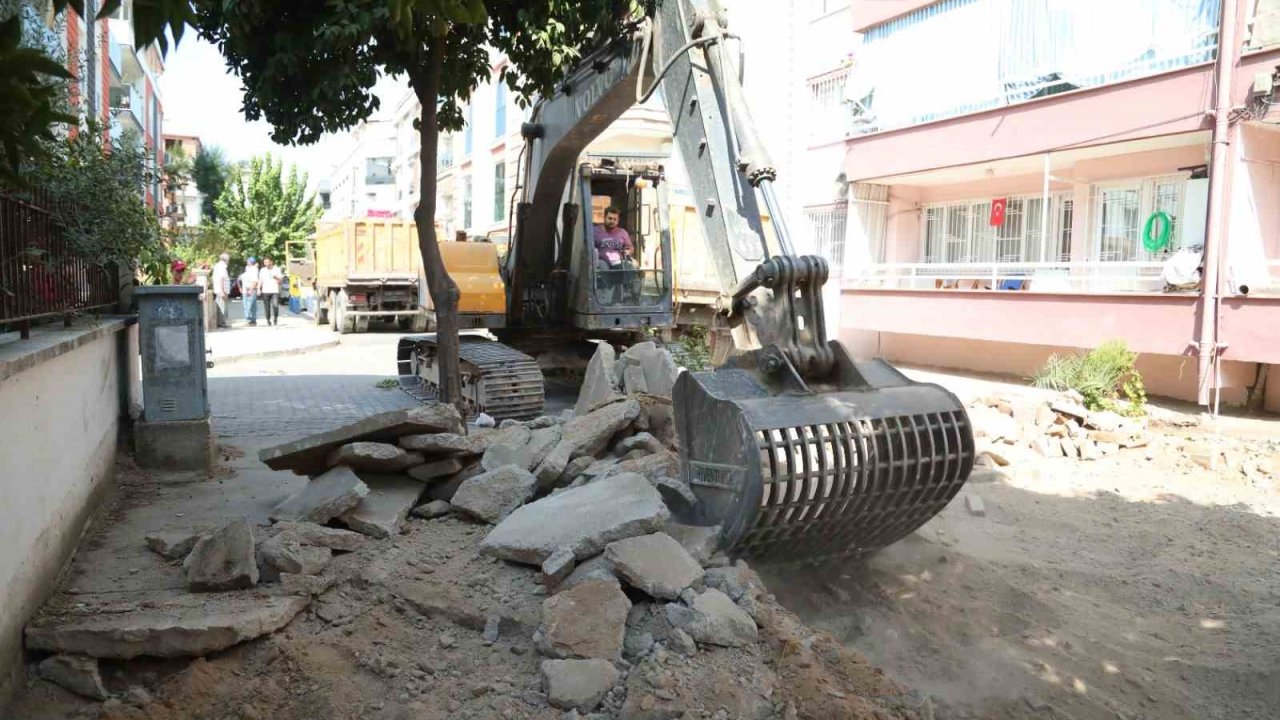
(1013, 431)
(585, 501)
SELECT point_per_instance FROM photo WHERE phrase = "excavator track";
(496, 379)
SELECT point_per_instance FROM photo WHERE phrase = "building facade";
(363, 183)
(183, 201)
(1032, 193)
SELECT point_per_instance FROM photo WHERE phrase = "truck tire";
(343, 323)
(321, 314)
(421, 323)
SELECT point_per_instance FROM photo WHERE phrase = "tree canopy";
(209, 171)
(263, 207)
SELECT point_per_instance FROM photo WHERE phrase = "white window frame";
(1148, 189)
(972, 214)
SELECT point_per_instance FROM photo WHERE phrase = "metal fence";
(40, 276)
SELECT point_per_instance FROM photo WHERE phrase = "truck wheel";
(321, 314)
(342, 322)
(360, 324)
(420, 323)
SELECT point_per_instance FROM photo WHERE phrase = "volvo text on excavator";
(797, 450)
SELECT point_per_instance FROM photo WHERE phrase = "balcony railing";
(40, 276)
(1068, 277)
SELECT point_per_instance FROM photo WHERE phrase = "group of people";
(255, 282)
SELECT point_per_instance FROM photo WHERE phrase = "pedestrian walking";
(269, 286)
(221, 288)
(249, 281)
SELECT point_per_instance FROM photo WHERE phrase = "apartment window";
(377, 171)
(960, 232)
(828, 117)
(444, 152)
(500, 112)
(499, 191)
(1121, 211)
(466, 131)
(466, 202)
(826, 7)
(828, 223)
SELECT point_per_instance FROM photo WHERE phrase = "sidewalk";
(294, 335)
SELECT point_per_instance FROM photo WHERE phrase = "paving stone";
(435, 469)
(587, 621)
(333, 538)
(493, 495)
(700, 542)
(654, 564)
(374, 457)
(223, 559)
(77, 673)
(598, 385)
(174, 544)
(714, 619)
(586, 519)
(324, 498)
(309, 455)
(187, 626)
(388, 502)
(577, 684)
(432, 510)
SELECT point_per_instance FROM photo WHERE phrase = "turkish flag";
(997, 212)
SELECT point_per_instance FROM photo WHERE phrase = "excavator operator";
(614, 253)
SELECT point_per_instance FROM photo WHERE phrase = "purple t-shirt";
(610, 244)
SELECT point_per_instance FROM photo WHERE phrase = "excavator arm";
(796, 450)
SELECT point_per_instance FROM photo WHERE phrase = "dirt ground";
(1141, 585)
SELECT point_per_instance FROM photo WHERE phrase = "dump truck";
(372, 269)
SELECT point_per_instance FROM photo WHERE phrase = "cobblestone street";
(295, 395)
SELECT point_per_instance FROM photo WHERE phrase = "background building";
(363, 183)
(183, 204)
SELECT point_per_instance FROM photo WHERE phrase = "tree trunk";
(444, 291)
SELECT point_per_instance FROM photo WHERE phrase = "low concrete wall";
(63, 395)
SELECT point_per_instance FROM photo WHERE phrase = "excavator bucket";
(801, 473)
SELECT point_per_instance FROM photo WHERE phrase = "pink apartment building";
(1012, 168)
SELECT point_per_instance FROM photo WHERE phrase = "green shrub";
(1102, 376)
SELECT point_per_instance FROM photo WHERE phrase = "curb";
(232, 359)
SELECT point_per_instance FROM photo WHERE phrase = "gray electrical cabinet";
(174, 381)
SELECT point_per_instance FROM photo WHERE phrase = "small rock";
(714, 619)
(586, 621)
(223, 559)
(286, 554)
(447, 444)
(681, 642)
(374, 457)
(590, 433)
(640, 441)
(654, 564)
(577, 684)
(557, 567)
(174, 544)
(597, 568)
(137, 695)
(492, 624)
(551, 471)
(384, 508)
(447, 641)
(542, 421)
(493, 495)
(435, 469)
(76, 673)
(678, 496)
(700, 542)
(975, 505)
(321, 536)
(432, 510)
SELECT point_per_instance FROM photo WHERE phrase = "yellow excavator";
(795, 449)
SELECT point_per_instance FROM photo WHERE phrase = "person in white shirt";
(221, 288)
(269, 286)
(249, 280)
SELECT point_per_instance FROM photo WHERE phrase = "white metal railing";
(1082, 277)
(829, 116)
(827, 223)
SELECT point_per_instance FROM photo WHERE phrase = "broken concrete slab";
(174, 544)
(438, 444)
(324, 498)
(700, 542)
(544, 440)
(445, 489)
(633, 381)
(321, 536)
(431, 510)
(493, 495)
(435, 469)
(507, 450)
(549, 472)
(374, 457)
(640, 441)
(587, 621)
(575, 467)
(654, 564)
(557, 567)
(223, 559)
(678, 496)
(660, 371)
(187, 626)
(308, 455)
(577, 684)
(384, 508)
(657, 465)
(586, 518)
(77, 673)
(591, 433)
(305, 585)
(287, 554)
(597, 568)
(599, 385)
(714, 619)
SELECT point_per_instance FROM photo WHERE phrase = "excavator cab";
(622, 273)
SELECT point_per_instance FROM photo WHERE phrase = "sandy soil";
(1142, 585)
